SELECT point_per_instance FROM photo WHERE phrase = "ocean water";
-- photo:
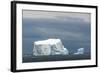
(29, 59)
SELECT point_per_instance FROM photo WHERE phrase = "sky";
(55, 15)
(74, 29)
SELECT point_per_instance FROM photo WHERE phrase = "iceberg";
(49, 47)
(80, 51)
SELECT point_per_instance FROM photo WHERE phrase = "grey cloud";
(55, 15)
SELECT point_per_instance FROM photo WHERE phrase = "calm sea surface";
(55, 58)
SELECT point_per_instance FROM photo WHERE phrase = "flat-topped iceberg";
(49, 47)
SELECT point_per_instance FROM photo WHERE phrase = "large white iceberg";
(79, 51)
(49, 47)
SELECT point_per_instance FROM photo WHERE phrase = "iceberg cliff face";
(49, 47)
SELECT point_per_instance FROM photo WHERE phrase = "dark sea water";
(28, 59)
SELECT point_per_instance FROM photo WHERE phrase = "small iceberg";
(79, 51)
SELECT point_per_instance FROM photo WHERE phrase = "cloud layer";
(55, 15)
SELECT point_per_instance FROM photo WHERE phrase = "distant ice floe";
(79, 51)
(49, 47)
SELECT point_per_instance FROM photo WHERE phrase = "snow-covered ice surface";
(49, 47)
